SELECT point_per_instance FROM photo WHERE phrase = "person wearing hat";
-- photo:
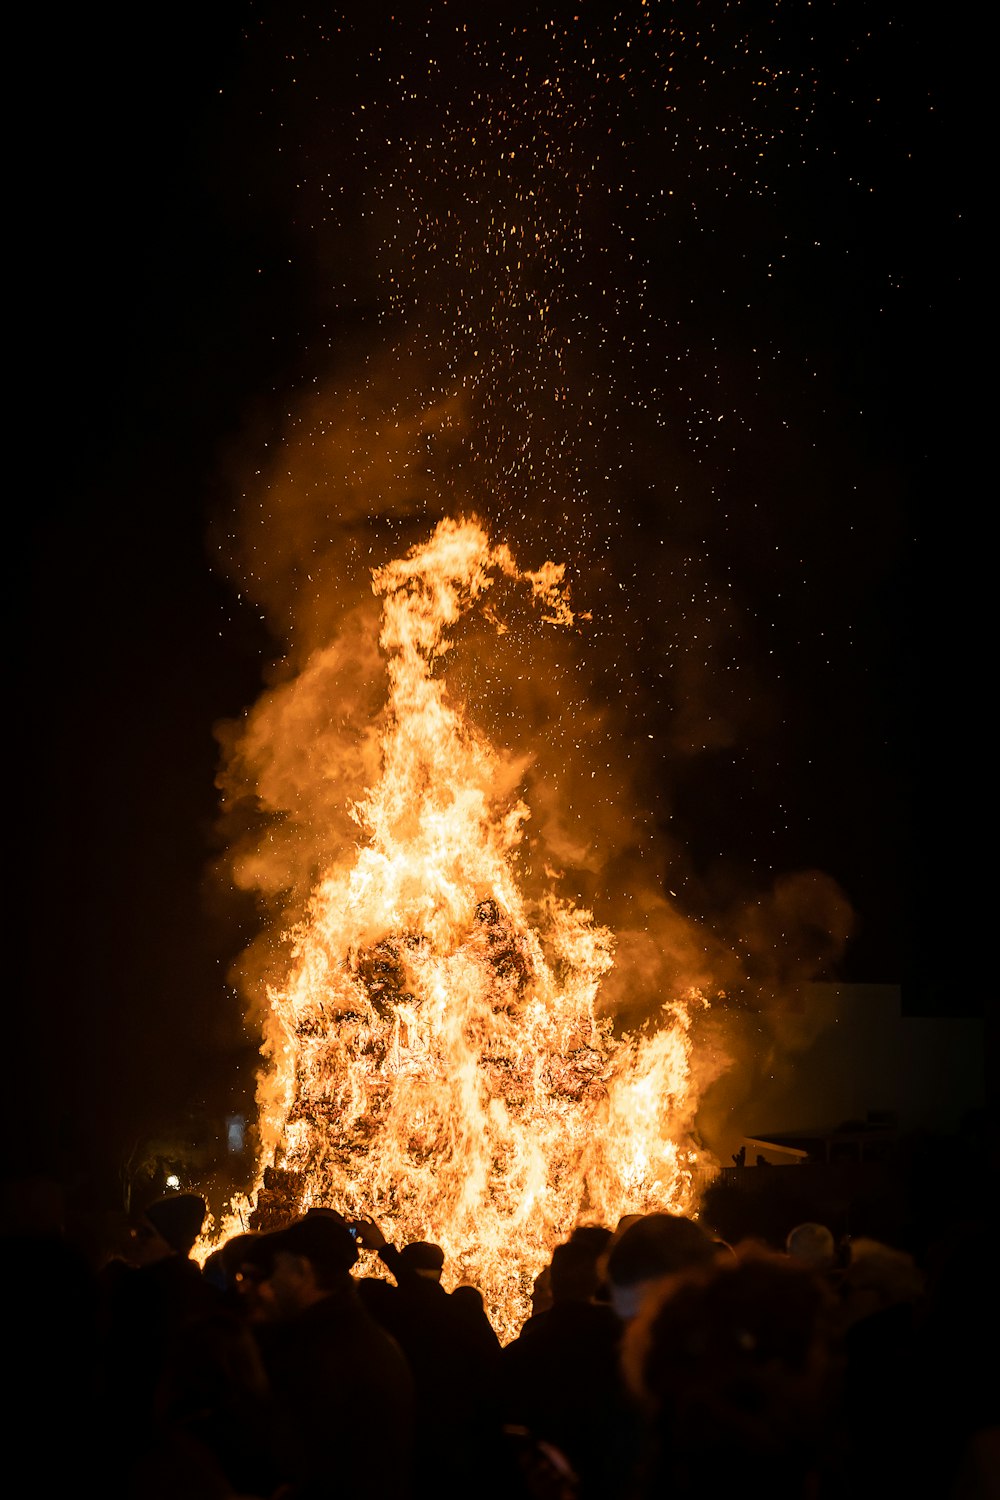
(341, 1388)
(560, 1376)
(648, 1247)
(419, 1258)
(167, 1286)
(421, 1303)
(157, 1291)
(168, 1226)
(454, 1353)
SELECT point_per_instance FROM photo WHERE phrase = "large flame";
(437, 1057)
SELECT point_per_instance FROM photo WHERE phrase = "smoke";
(497, 378)
(295, 764)
(337, 490)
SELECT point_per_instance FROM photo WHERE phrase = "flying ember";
(436, 1055)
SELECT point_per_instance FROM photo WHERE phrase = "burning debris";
(436, 1053)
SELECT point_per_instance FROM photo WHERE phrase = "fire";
(436, 1053)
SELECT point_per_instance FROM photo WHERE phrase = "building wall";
(846, 1050)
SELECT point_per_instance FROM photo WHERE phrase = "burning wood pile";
(436, 1054)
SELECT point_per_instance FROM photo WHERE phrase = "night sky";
(747, 285)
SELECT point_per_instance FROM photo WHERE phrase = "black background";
(153, 318)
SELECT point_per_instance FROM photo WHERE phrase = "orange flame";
(436, 1054)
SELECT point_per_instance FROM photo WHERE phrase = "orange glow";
(436, 1056)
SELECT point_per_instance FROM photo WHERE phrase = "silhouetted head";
(320, 1238)
(736, 1364)
(652, 1247)
(424, 1259)
(170, 1226)
(813, 1244)
(246, 1263)
(575, 1271)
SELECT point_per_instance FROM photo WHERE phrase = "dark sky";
(179, 288)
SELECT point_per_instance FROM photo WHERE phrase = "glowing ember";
(436, 1057)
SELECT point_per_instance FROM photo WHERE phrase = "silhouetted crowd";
(659, 1360)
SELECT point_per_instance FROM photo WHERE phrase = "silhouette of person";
(341, 1388)
(454, 1354)
(560, 1378)
(735, 1365)
(149, 1298)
